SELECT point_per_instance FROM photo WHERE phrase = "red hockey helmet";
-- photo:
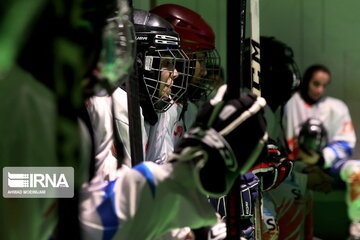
(197, 39)
(194, 32)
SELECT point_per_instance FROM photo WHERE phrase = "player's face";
(168, 74)
(200, 68)
(216, 79)
(318, 84)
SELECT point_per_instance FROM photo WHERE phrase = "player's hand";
(215, 232)
(309, 158)
(318, 180)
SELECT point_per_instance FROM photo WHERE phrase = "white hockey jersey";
(167, 132)
(144, 203)
(160, 142)
(335, 116)
(100, 113)
(122, 123)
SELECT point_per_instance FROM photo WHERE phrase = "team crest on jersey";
(178, 130)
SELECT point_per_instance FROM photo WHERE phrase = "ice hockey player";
(197, 39)
(169, 62)
(160, 80)
(311, 102)
(279, 79)
(162, 75)
(200, 48)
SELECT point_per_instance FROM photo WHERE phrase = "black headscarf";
(304, 87)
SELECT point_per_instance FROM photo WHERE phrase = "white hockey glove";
(225, 141)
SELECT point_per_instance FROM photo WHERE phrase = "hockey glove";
(318, 180)
(309, 157)
(273, 168)
(215, 232)
(248, 195)
(225, 141)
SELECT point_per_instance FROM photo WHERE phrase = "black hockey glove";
(225, 141)
(272, 168)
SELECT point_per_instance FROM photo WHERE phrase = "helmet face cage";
(205, 74)
(166, 76)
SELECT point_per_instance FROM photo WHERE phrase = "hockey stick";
(255, 47)
(235, 39)
(256, 89)
(132, 89)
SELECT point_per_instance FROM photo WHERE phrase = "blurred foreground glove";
(226, 140)
(272, 168)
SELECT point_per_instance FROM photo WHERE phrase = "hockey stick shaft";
(255, 47)
(235, 46)
(235, 55)
(135, 133)
(256, 89)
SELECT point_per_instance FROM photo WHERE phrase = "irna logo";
(20, 180)
(38, 182)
